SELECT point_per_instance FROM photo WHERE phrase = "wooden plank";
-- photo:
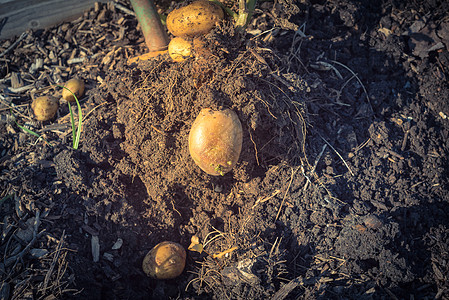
(20, 15)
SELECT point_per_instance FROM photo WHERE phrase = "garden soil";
(341, 190)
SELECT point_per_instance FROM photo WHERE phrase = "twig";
(21, 37)
(219, 234)
(262, 200)
(358, 79)
(325, 66)
(11, 107)
(53, 263)
(76, 60)
(347, 166)
(255, 148)
(85, 117)
(283, 292)
(319, 157)
(341, 90)
(124, 9)
(305, 175)
(285, 194)
(21, 89)
(221, 254)
(315, 164)
(19, 256)
(274, 246)
(395, 154)
(36, 223)
(295, 53)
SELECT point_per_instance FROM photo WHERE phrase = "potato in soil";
(76, 86)
(45, 107)
(179, 49)
(165, 261)
(215, 140)
(194, 19)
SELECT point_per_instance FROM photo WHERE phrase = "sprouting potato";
(215, 140)
(194, 19)
(165, 261)
(45, 107)
(76, 86)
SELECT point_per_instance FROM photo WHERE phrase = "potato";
(215, 140)
(194, 19)
(76, 86)
(45, 107)
(165, 261)
(179, 49)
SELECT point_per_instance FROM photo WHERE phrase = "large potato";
(45, 107)
(165, 261)
(215, 140)
(194, 19)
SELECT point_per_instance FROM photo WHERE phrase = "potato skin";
(179, 49)
(215, 141)
(45, 107)
(194, 19)
(76, 86)
(165, 261)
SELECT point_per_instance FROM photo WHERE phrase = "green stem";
(229, 11)
(80, 124)
(246, 10)
(72, 121)
(32, 133)
(28, 130)
(76, 132)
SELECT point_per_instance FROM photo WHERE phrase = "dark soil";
(341, 190)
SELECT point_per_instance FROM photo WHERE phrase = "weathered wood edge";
(20, 15)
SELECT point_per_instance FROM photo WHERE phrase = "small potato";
(215, 141)
(76, 86)
(165, 261)
(194, 19)
(45, 107)
(179, 49)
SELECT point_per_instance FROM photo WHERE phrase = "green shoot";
(219, 170)
(32, 133)
(29, 130)
(226, 9)
(76, 132)
(163, 19)
(246, 10)
(243, 17)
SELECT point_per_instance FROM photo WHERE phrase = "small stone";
(26, 234)
(108, 256)
(38, 253)
(95, 243)
(118, 244)
(372, 222)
